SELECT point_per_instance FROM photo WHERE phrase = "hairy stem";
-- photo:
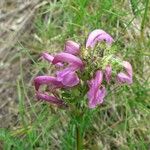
(79, 139)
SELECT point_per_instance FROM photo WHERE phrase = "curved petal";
(128, 68)
(50, 58)
(98, 99)
(97, 36)
(48, 98)
(49, 80)
(123, 78)
(97, 81)
(100, 95)
(108, 72)
(105, 37)
(71, 79)
(47, 57)
(94, 85)
(68, 58)
(94, 93)
(92, 36)
(72, 47)
(60, 74)
(68, 77)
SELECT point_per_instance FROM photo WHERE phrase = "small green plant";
(72, 78)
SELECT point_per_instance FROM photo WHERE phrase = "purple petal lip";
(72, 48)
(48, 98)
(96, 92)
(49, 80)
(70, 80)
(125, 77)
(108, 72)
(128, 68)
(68, 77)
(68, 58)
(98, 35)
(101, 95)
(50, 58)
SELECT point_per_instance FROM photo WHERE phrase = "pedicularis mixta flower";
(83, 72)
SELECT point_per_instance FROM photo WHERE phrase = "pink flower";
(50, 82)
(68, 64)
(98, 35)
(108, 72)
(96, 92)
(125, 77)
(72, 47)
(68, 76)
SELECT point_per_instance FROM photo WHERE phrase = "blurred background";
(29, 27)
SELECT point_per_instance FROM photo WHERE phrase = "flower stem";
(78, 137)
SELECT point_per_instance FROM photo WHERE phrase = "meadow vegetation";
(122, 122)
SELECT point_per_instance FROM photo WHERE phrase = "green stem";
(79, 139)
(144, 19)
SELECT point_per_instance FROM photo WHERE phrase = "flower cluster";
(73, 62)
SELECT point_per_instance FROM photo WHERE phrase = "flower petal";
(101, 94)
(123, 78)
(98, 99)
(47, 57)
(49, 80)
(98, 35)
(48, 98)
(94, 93)
(68, 58)
(60, 74)
(50, 58)
(72, 47)
(68, 77)
(71, 79)
(128, 68)
(98, 79)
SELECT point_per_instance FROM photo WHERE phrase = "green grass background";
(123, 122)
